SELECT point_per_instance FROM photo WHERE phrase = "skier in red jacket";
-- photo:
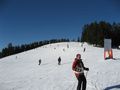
(78, 68)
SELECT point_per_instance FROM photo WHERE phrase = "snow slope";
(22, 72)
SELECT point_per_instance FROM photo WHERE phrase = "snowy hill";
(22, 72)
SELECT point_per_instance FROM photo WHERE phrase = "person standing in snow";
(78, 68)
(84, 49)
(59, 60)
(67, 46)
(39, 61)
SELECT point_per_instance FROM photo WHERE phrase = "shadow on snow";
(112, 87)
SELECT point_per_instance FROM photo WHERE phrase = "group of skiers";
(78, 68)
(59, 61)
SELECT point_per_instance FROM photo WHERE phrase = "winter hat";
(78, 55)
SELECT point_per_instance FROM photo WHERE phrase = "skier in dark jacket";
(59, 60)
(84, 49)
(39, 61)
(78, 68)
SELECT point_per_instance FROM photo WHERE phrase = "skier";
(84, 49)
(67, 46)
(82, 45)
(63, 49)
(16, 57)
(59, 60)
(78, 68)
(39, 61)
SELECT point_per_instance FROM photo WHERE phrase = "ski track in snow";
(24, 73)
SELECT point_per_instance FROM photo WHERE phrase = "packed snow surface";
(22, 72)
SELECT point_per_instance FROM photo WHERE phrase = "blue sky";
(25, 21)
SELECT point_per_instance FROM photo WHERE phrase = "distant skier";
(78, 68)
(39, 61)
(63, 49)
(84, 49)
(67, 46)
(16, 57)
(59, 60)
(82, 45)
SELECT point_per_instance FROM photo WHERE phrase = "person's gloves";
(87, 69)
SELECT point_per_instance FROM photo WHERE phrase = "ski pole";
(86, 74)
